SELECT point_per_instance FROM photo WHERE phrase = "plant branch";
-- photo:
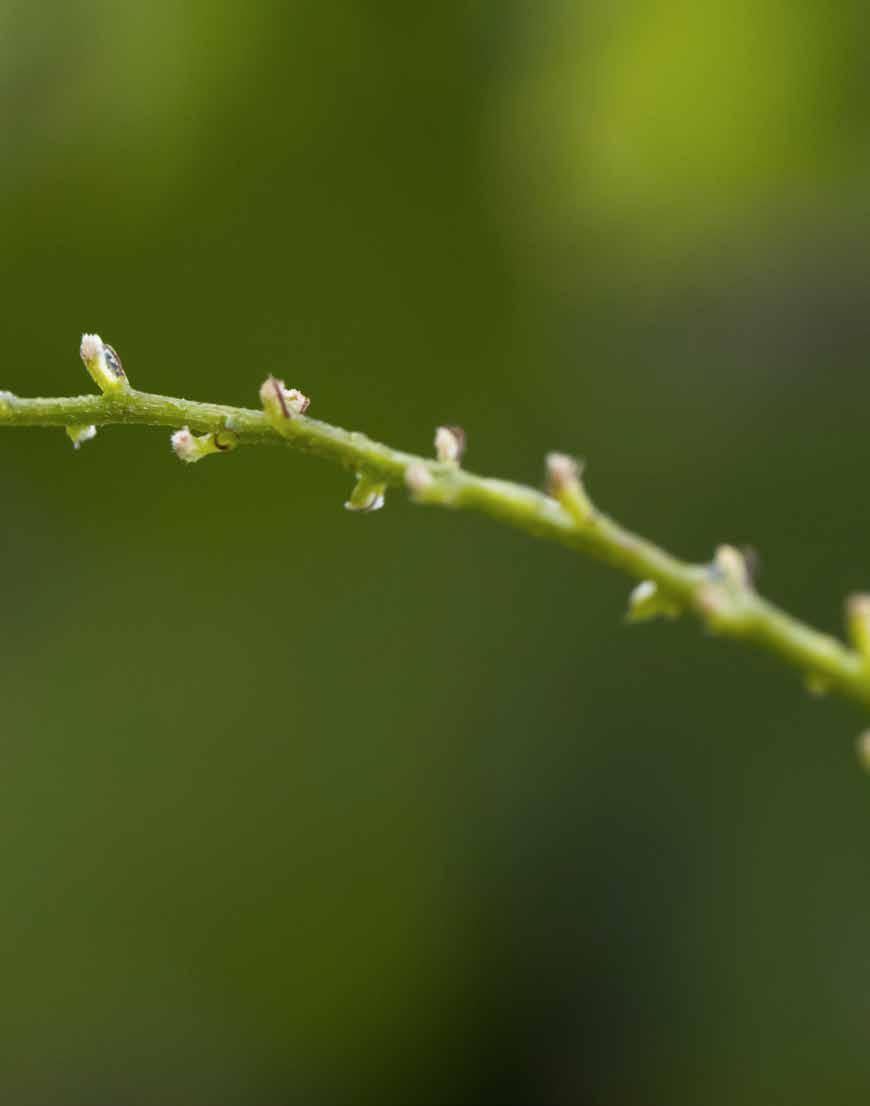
(720, 593)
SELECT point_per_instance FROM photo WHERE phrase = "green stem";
(723, 605)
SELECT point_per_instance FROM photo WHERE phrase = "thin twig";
(720, 594)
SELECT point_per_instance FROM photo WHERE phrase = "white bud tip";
(269, 387)
(188, 447)
(282, 401)
(859, 607)
(449, 443)
(858, 622)
(732, 564)
(185, 446)
(418, 478)
(373, 503)
(103, 364)
(644, 591)
(91, 347)
(562, 471)
(79, 434)
(647, 602)
(298, 402)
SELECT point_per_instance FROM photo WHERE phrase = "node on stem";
(419, 481)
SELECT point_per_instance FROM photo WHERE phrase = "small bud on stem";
(724, 598)
(731, 564)
(103, 364)
(449, 444)
(646, 601)
(367, 495)
(564, 485)
(280, 403)
(858, 623)
(190, 448)
(78, 433)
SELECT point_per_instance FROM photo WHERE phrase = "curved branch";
(720, 594)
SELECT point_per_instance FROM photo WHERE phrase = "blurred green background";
(305, 807)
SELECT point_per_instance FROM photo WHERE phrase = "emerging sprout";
(78, 433)
(564, 485)
(449, 444)
(281, 403)
(562, 472)
(367, 495)
(103, 364)
(190, 448)
(731, 564)
(646, 601)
